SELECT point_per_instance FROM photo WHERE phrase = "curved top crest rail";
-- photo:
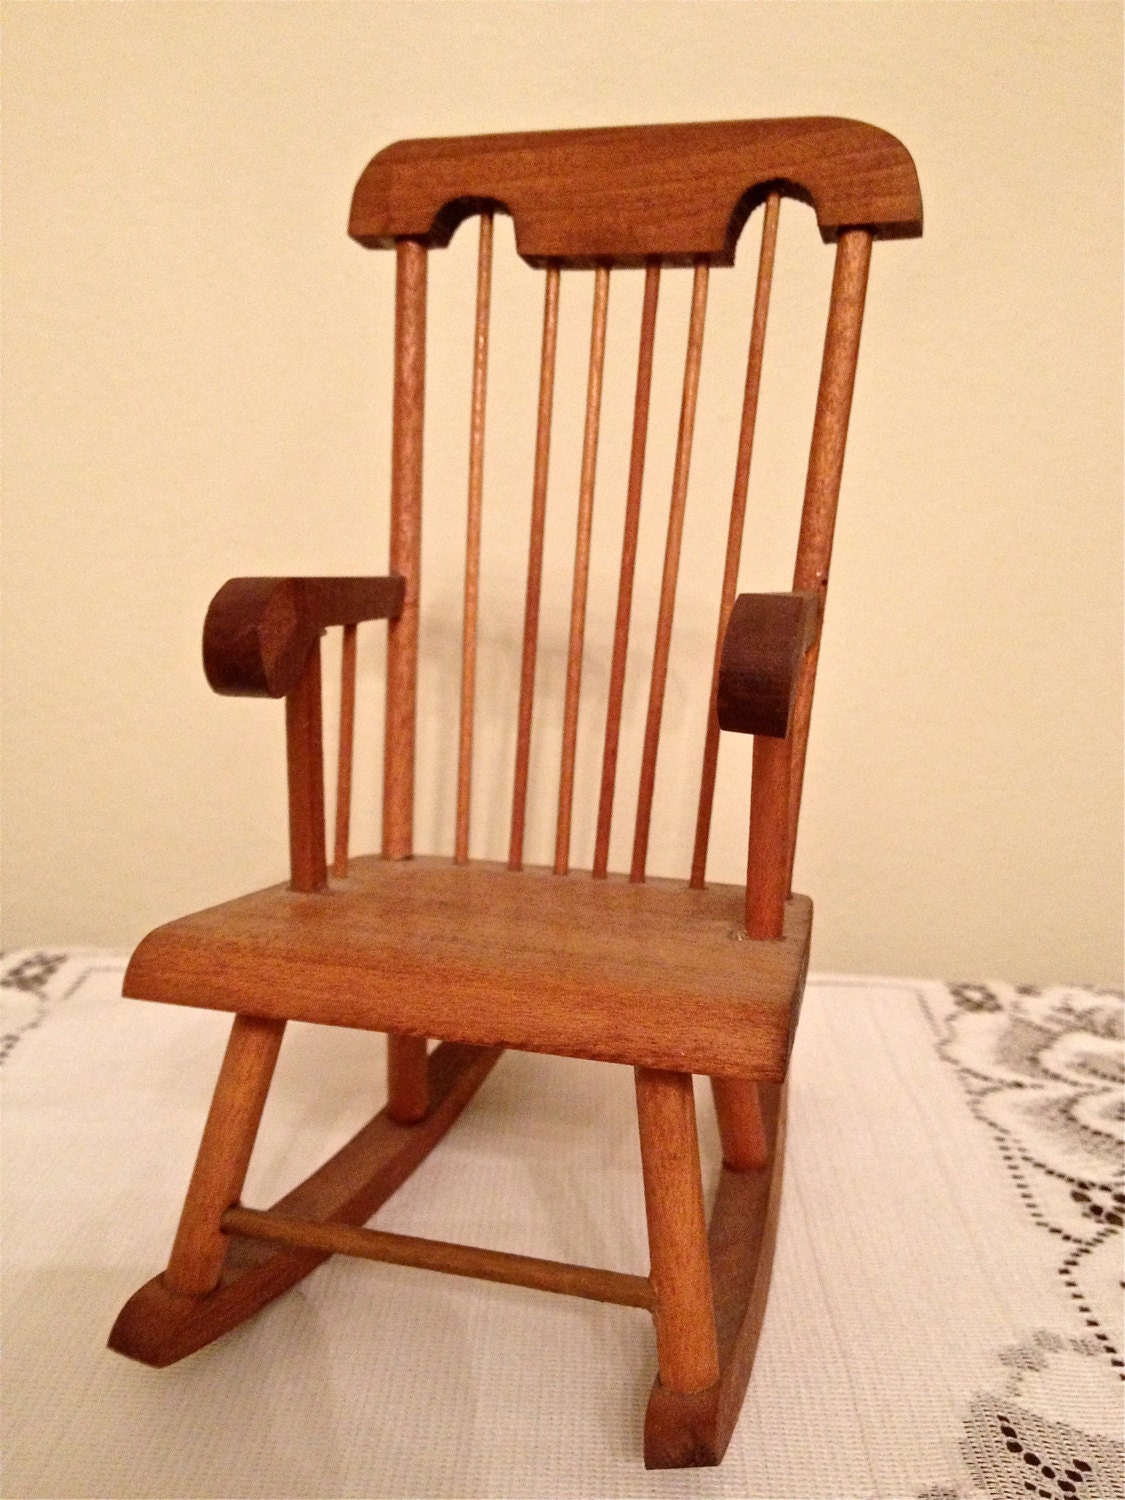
(677, 192)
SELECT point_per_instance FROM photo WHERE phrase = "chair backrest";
(649, 198)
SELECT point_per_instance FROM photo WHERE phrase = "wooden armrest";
(259, 631)
(766, 640)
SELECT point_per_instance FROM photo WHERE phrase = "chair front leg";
(200, 1246)
(686, 1348)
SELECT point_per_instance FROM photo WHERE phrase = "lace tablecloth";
(945, 1317)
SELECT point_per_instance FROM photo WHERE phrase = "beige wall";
(197, 361)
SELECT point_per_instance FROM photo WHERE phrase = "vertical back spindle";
(472, 542)
(535, 564)
(581, 568)
(406, 548)
(671, 570)
(822, 485)
(734, 534)
(346, 752)
(628, 568)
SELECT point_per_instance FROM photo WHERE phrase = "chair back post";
(406, 547)
(822, 484)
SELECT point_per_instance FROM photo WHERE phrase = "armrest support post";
(767, 641)
(305, 759)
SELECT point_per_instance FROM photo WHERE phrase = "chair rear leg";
(739, 1111)
(408, 1085)
(687, 1352)
(200, 1246)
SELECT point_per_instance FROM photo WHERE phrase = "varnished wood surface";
(681, 1274)
(746, 429)
(581, 569)
(826, 467)
(663, 643)
(158, 1326)
(534, 566)
(692, 1430)
(671, 980)
(767, 856)
(304, 754)
(443, 1255)
(406, 549)
(618, 196)
(654, 974)
(739, 1113)
(258, 631)
(473, 540)
(345, 752)
(628, 568)
(766, 640)
(224, 1154)
(408, 1088)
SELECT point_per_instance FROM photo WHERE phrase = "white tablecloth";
(945, 1318)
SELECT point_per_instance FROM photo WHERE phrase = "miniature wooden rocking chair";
(486, 957)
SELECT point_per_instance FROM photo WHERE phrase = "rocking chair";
(485, 956)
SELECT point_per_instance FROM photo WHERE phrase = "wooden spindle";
(822, 485)
(406, 548)
(628, 568)
(734, 533)
(671, 571)
(535, 565)
(581, 568)
(472, 542)
(305, 764)
(346, 753)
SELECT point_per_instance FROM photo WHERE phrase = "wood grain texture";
(443, 1255)
(534, 566)
(826, 467)
(304, 751)
(224, 1154)
(767, 858)
(581, 569)
(618, 196)
(345, 753)
(408, 1093)
(406, 549)
(677, 1231)
(766, 641)
(258, 631)
(159, 1326)
(628, 569)
(685, 1430)
(747, 425)
(651, 974)
(741, 1130)
(472, 540)
(663, 644)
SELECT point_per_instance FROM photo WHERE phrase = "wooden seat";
(671, 977)
(658, 971)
